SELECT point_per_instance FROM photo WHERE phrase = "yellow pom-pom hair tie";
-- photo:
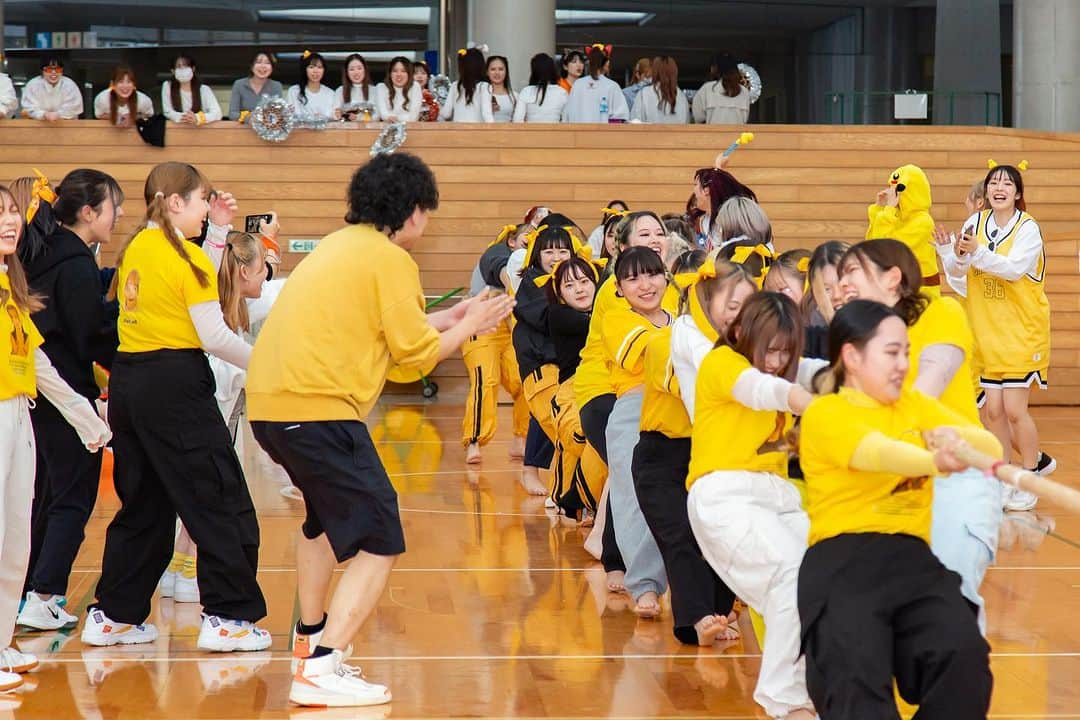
(803, 265)
(743, 139)
(461, 52)
(306, 55)
(1022, 166)
(504, 234)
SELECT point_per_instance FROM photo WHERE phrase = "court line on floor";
(283, 569)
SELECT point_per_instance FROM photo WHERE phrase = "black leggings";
(594, 416)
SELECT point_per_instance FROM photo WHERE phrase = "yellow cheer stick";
(744, 139)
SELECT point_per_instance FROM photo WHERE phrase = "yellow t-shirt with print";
(19, 337)
(625, 335)
(726, 434)
(156, 288)
(944, 322)
(841, 499)
(662, 408)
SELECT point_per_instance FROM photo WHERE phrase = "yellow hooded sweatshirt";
(909, 221)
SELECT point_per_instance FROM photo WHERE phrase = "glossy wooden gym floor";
(496, 611)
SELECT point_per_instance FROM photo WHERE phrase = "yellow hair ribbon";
(41, 191)
(991, 163)
(531, 238)
(506, 232)
(707, 271)
(743, 253)
(803, 265)
(306, 55)
(461, 52)
(1023, 166)
(612, 212)
(701, 318)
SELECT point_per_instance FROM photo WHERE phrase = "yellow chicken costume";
(909, 221)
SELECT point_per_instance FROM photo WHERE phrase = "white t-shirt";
(528, 108)
(210, 108)
(356, 96)
(647, 108)
(319, 104)
(585, 97)
(39, 97)
(397, 109)
(506, 105)
(457, 109)
(144, 106)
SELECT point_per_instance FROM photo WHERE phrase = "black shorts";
(347, 493)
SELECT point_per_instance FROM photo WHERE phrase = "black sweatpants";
(660, 466)
(174, 457)
(539, 450)
(594, 416)
(65, 490)
(874, 607)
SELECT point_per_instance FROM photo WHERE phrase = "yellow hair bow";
(461, 52)
(41, 191)
(306, 55)
(507, 231)
(585, 252)
(1021, 166)
(803, 265)
(707, 271)
(531, 240)
(745, 252)
(612, 212)
(550, 277)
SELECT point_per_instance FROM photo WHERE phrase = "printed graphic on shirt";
(131, 292)
(776, 441)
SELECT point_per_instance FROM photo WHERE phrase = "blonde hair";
(24, 299)
(241, 250)
(165, 180)
(22, 190)
(741, 217)
(977, 192)
(728, 276)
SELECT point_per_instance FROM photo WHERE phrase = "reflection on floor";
(496, 611)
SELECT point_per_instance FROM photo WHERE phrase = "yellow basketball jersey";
(1010, 319)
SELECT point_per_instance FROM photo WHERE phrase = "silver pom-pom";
(389, 140)
(751, 81)
(440, 87)
(274, 120)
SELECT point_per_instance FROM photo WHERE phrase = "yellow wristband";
(202, 118)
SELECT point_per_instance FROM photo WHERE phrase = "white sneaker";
(167, 584)
(328, 682)
(14, 661)
(9, 681)
(185, 589)
(221, 635)
(101, 631)
(44, 614)
(1017, 500)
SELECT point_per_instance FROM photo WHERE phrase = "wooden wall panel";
(814, 181)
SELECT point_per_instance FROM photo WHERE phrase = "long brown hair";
(886, 254)
(20, 289)
(165, 180)
(346, 83)
(665, 80)
(407, 64)
(196, 87)
(121, 72)
(241, 250)
(763, 317)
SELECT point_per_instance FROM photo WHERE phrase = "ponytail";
(241, 250)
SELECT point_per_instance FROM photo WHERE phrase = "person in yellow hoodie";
(350, 310)
(902, 212)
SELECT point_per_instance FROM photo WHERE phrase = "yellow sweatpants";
(581, 467)
(491, 362)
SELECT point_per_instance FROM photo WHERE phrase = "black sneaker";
(1046, 464)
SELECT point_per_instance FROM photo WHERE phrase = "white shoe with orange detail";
(101, 631)
(328, 682)
(220, 634)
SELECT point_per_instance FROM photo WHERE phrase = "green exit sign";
(302, 246)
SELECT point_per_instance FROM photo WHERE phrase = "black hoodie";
(78, 326)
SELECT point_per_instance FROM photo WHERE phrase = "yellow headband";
(1022, 166)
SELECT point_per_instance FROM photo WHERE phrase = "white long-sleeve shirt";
(528, 109)
(144, 106)
(507, 104)
(647, 108)
(712, 105)
(356, 96)
(40, 97)
(9, 101)
(396, 111)
(211, 110)
(584, 103)
(1022, 258)
(319, 105)
(457, 109)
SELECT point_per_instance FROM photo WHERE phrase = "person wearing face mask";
(120, 103)
(79, 330)
(52, 96)
(248, 92)
(185, 99)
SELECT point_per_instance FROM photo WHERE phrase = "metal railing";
(850, 107)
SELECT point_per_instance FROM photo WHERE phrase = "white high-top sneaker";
(328, 682)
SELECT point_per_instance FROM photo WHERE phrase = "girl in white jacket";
(470, 97)
(595, 98)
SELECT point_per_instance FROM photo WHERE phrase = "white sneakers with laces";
(328, 682)
(12, 663)
(44, 614)
(222, 635)
(102, 632)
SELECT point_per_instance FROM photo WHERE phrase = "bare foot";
(710, 629)
(586, 518)
(517, 448)
(530, 480)
(615, 580)
(648, 606)
(472, 454)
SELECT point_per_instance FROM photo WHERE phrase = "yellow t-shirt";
(156, 288)
(19, 337)
(662, 409)
(348, 311)
(593, 376)
(626, 334)
(841, 499)
(945, 322)
(727, 435)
